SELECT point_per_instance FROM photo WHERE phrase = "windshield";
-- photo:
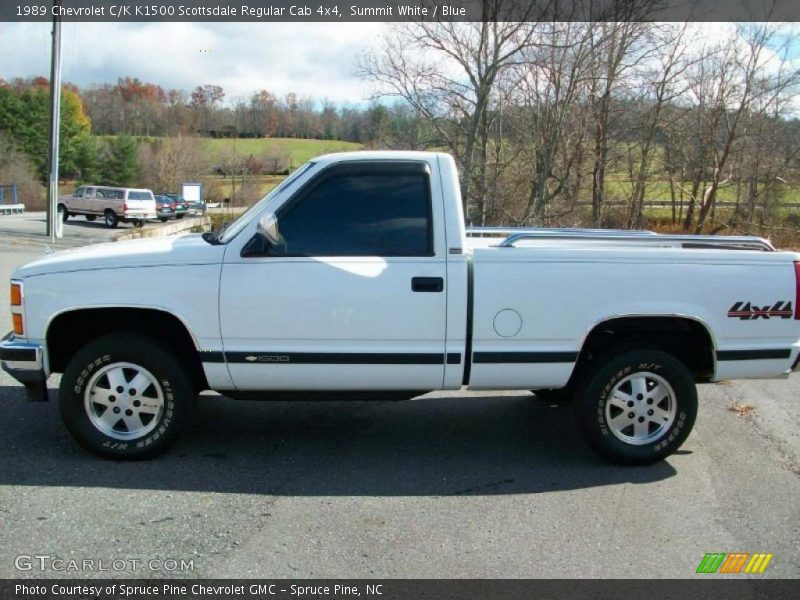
(236, 226)
(139, 196)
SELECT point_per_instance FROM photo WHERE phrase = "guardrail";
(12, 209)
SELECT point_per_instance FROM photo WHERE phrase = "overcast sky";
(309, 59)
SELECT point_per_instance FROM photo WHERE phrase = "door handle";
(427, 284)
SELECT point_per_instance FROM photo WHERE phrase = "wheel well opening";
(70, 331)
(686, 339)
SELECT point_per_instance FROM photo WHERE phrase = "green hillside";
(299, 150)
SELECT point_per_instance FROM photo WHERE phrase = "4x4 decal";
(750, 312)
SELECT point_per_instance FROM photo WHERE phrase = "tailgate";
(140, 202)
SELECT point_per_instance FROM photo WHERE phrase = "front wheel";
(637, 407)
(125, 396)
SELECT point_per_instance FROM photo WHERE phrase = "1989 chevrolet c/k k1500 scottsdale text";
(356, 275)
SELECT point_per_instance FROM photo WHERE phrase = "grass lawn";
(300, 151)
(618, 187)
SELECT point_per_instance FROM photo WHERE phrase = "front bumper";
(24, 362)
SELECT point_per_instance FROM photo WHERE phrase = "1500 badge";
(750, 312)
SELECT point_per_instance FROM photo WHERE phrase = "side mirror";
(268, 227)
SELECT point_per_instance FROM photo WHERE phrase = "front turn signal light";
(16, 319)
(16, 294)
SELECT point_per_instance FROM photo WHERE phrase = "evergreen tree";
(121, 164)
(87, 160)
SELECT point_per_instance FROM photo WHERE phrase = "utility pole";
(53, 223)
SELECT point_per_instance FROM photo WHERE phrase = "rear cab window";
(134, 195)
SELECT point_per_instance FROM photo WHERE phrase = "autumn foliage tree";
(25, 116)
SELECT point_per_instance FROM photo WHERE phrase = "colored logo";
(734, 562)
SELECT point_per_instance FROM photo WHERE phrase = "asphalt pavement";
(454, 484)
(30, 229)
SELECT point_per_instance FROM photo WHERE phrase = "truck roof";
(376, 155)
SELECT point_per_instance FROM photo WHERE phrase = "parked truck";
(356, 278)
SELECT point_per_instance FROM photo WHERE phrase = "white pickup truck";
(355, 278)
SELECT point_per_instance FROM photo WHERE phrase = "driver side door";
(353, 298)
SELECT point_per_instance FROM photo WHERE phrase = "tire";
(141, 431)
(63, 213)
(91, 218)
(179, 216)
(138, 223)
(617, 386)
(111, 219)
(163, 219)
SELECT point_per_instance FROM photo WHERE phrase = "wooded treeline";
(138, 108)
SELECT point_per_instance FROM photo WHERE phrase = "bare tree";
(553, 124)
(724, 87)
(447, 72)
(616, 51)
(662, 82)
(169, 161)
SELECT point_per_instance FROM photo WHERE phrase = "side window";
(78, 193)
(369, 213)
(90, 192)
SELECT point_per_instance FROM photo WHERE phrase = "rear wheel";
(179, 216)
(111, 219)
(636, 407)
(63, 213)
(125, 396)
(138, 223)
(163, 219)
